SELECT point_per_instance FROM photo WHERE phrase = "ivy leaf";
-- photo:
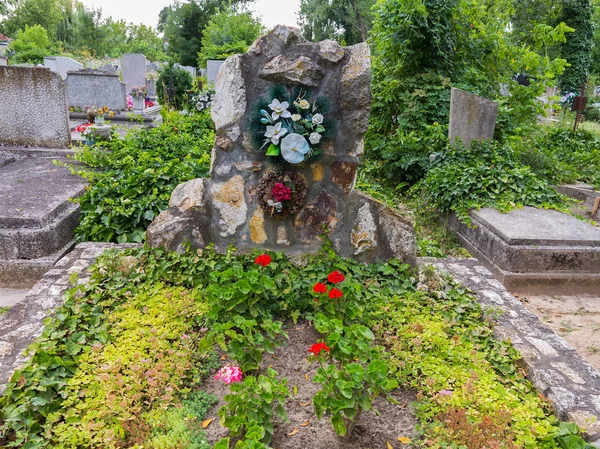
(72, 348)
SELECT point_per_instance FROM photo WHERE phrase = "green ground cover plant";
(131, 180)
(417, 330)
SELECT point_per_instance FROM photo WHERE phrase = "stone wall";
(226, 210)
(33, 102)
(96, 88)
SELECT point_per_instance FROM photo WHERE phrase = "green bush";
(486, 175)
(32, 45)
(179, 80)
(131, 180)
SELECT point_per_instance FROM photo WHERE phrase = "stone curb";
(24, 322)
(552, 365)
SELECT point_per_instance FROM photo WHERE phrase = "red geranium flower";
(318, 347)
(320, 288)
(335, 277)
(263, 259)
(335, 293)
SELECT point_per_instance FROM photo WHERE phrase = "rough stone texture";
(471, 117)
(24, 322)
(37, 219)
(95, 88)
(33, 102)
(133, 69)
(212, 70)
(551, 363)
(534, 250)
(231, 213)
(62, 65)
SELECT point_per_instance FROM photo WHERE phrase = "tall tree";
(32, 44)
(347, 21)
(33, 12)
(577, 49)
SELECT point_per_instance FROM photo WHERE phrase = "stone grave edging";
(552, 365)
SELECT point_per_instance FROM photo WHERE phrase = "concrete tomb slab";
(471, 117)
(534, 250)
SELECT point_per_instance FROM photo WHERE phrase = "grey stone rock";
(228, 199)
(37, 101)
(300, 70)
(355, 93)
(471, 117)
(229, 104)
(364, 232)
(331, 50)
(190, 194)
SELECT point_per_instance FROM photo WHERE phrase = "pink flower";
(229, 374)
(445, 392)
(281, 192)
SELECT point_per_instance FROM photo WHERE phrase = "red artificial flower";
(263, 259)
(335, 293)
(318, 347)
(281, 193)
(335, 277)
(320, 288)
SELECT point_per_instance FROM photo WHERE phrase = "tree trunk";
(359, 21)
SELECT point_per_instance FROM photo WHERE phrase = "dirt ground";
(575, 318)
(373, 431)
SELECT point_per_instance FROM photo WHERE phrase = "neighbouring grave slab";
(33, 102)
(552, 365)
(62, 65)
(3, 61)
(283, 194)
(212, 69)
(585, 193)
(96, 88)
(133, 69)
(471, 117)
(24, 322)
(534, 250)
(37, 219)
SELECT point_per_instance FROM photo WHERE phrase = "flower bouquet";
(290, 126)
(281, 194)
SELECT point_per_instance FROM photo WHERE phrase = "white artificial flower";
(296, 117)
(275, 133)
(304, 104)
(317, 119)
(294, 147)
(314, 138)
(279, 109)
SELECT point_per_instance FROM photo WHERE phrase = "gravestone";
(212, 70)
(62, 65)
(133, 68)
(191, 70)
(3, 61)
(33, 105)
(232, 208)
(95, 88)
(108, 68)
(471, 117)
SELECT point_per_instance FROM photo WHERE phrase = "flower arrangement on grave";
(282, 193)
(290, 125)
(139, 92)
(203, 100)
(129, 103)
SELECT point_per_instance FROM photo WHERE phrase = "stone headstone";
(229, 209)
(62, 65)
(33, 102)
(212, 70)
(191, 70)
(108, 68)
(471, 117)
(3, 61)
(152, 67)
(133, 68)
(95, 88)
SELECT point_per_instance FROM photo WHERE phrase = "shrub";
(32, 45)
(131, 180)
(175, 78)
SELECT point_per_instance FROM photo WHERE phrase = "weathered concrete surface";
(37, 219)
(11, 296)
(229, 209)
(551, 363)
(24, 322)
(95, 88)
(471, 117)
(534, 250)
(33, 102)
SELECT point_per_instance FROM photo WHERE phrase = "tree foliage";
(347, 21)
(32, 44)
(177, 79)
(228, 33)
(578, 47)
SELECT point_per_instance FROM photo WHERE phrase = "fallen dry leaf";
(206, 423)
(404, 440)
(304, 404)
(304, 424)
(389, 446)
(293, 432)
(306, 376)
(295, 390)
